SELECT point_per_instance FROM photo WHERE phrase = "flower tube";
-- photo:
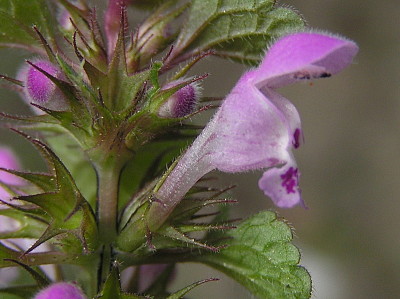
(257, 128)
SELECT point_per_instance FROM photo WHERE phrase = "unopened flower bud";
(39, 89)
(61, 290)
(182, 102)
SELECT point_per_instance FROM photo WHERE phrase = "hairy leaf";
(260, 257)
(17, 19)
(238, 29)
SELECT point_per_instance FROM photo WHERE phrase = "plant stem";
(108, 169)
(108, 175)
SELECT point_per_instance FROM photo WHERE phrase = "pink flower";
(182, 102)
(257, 128)
(38, 88)
(61, 290)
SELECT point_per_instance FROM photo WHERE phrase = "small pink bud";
(39, 89)
(61, 290)
(182, 102)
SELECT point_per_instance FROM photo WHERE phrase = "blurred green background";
(350, 165)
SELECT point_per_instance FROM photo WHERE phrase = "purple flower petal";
(39, 89)
(304, 56)
(182, 102)
(250, 132)
(61, 290)
(256, 127)
(282, 185)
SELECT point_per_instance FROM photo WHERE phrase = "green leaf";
(238, 29)
(17, 19)
(260, 257)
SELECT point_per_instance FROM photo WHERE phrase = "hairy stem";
(108, 173)
(108, 169)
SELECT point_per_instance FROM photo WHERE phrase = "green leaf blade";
(236, 29)
(260, 257)
(17, 19)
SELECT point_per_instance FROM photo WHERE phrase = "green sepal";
(117, 73)
(18, 17)
(42, 180)
(32, 120)
(40, 279)
(190, 206)
(72, 156)
(153, 34)
(85, 35)
(118, 88)
(32, 222)
(135, 234)
(154, 74)
(171, 237)
(7, 253)
(240, 30)
(260, 256)
(179, 294)
(83, 95)
(112, 288)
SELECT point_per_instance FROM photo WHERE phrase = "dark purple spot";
(296, 138)
(307, 75)
(302, 75)
(325, 75)
(290, 180)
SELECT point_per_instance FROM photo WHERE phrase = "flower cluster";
(109, 116)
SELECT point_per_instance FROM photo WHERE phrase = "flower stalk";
(108, 171)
